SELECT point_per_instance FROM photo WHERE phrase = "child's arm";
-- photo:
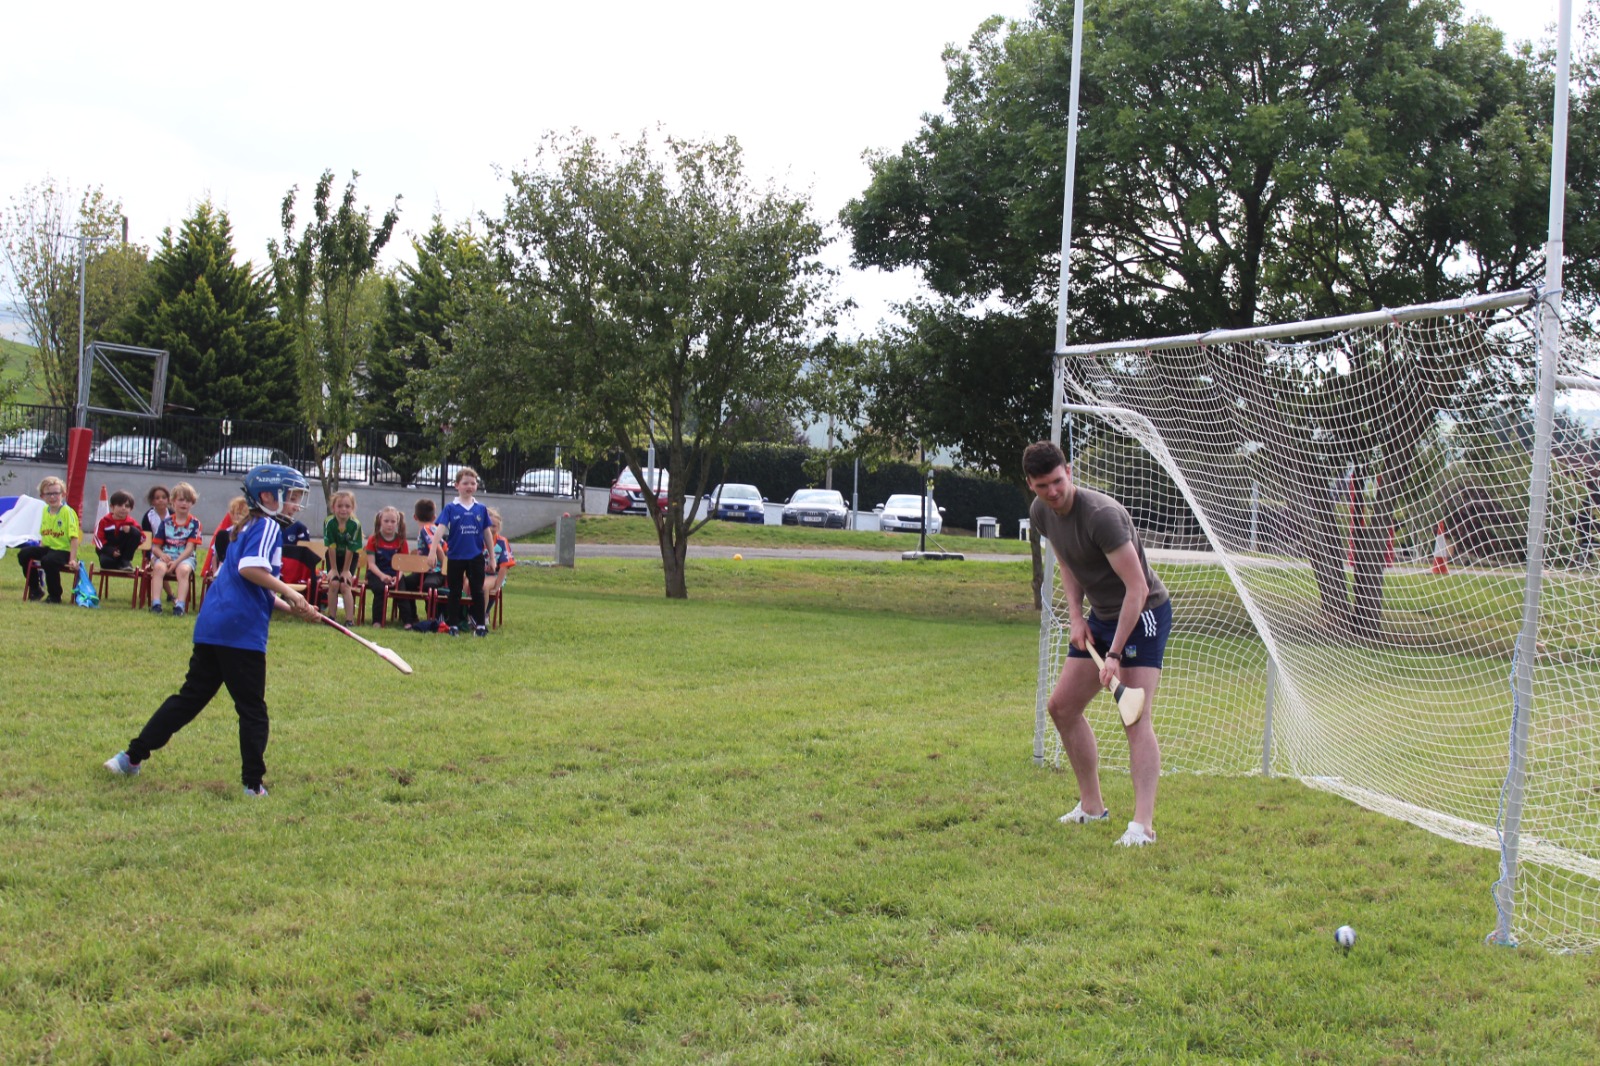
(289, 599)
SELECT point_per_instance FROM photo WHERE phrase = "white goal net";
(1341, 509)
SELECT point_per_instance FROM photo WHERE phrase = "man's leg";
(1144, 751)
(1077, 685)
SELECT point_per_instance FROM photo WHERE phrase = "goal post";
(1342, 509)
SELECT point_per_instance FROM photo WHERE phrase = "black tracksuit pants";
(211, 667)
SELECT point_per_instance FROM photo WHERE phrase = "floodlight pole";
(1513, 793)
(1041, 718)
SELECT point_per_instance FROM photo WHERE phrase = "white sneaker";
(1137, 836)
(1077, 816)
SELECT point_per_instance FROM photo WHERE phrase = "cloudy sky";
(168, 103)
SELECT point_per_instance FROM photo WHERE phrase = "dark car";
(40, 445)
(242, 458)
(737, 503)
(816, 507)
(152, 453)
(628, 498)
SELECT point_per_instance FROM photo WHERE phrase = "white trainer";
(1137, 836)
(1077, 816)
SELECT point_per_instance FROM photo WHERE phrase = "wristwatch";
(1117, 655)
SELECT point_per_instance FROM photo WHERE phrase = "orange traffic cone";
(1441, 551)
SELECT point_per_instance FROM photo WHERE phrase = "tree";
(318, 280)
(649, 291)
(229, 357)
(1236, 160)
(42, 240)
(420, 304)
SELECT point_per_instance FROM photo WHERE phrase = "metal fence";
(189, 444)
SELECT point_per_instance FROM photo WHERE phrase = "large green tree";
(421, 302)
(229, 354)
(42, 237)
(1237, 161)
(651, 287)
(320, 279)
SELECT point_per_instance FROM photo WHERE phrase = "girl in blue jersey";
(469, 542)
(230, 634)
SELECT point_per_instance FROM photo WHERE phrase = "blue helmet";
(275, 479)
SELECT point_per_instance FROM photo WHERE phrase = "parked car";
(428, 476)
(902, 513)
(546, 482)
(737, 503)
(40, 445)
(628, 498)
(356, 469)
(816, 507)
(241, 458)
(152, 453)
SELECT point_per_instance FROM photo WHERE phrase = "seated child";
(160, 501)
(427, 537)
(388, 540)
(341, 534)
(57, 549)
(299, 560)
(117, 536)
(502, 562)
(173, 548)
(238, 511)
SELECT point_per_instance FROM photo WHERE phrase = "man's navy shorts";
(1146, 644)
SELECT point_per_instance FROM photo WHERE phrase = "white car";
(902, 513)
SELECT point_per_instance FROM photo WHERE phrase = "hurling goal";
(1385, 573)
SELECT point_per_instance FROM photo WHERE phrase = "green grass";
(637, 529)
(791, 820)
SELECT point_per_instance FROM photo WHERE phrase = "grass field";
(792, 820)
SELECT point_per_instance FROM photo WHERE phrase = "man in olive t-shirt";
(1129, 618)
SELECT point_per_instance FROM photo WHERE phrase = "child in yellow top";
(57, 549)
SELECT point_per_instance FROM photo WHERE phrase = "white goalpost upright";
(1385, 556)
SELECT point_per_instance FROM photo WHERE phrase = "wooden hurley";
(1130, 701)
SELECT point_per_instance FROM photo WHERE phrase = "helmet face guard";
(280, 484)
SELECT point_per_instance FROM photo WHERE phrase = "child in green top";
(57, 549)
(341, 533)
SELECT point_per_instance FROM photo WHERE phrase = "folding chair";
(139, 575)
(147, 578)
(410, 563)
(27, 578)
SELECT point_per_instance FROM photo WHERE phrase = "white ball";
(1345, 937)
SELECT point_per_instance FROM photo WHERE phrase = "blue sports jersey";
(235, 612)
(462, 529)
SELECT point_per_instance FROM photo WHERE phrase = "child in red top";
(387, 541)
(117, 536)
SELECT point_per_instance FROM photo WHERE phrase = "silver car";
(546, 482)
(737, 503)
(242, 458)
(152, 453)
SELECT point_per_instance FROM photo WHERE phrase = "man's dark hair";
(424, 511)
(121, 497)
(1041, 457)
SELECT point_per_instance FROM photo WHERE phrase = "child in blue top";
(230, 634)
(468, 542)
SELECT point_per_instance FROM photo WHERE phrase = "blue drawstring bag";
(83, 593)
